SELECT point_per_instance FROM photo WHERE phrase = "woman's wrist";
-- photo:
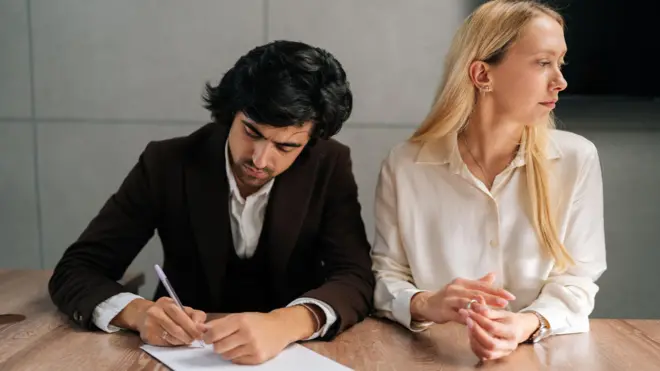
(529, 324)
(418, 304)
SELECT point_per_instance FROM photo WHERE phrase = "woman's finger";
(484, 287)
(483, 338)
(494, 328)
(489, 345)
(468, 295)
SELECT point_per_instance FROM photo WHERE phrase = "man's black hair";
(284, 83)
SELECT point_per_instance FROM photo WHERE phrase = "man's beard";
(252, 180)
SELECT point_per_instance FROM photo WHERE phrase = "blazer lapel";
(285, 213)
(208, 197)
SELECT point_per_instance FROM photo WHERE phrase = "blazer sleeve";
(349, 284)
(88, 271)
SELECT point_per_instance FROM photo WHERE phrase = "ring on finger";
(469, 304)
(164, 335)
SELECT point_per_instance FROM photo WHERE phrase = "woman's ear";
(480, 75)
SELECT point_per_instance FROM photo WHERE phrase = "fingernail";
(502, 302)
(469, 323)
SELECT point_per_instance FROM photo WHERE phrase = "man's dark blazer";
(179, 188)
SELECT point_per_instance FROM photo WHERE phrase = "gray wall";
(85, 84)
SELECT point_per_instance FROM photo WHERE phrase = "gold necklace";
(474, 159)
(477, 162)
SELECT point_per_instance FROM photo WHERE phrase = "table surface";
(47, 340)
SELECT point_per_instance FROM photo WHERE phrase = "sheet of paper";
(295, 357)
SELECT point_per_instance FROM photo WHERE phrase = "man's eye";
(251, 134)
(284, 149)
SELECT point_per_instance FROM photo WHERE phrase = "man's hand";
(162, 323)
(254, 338)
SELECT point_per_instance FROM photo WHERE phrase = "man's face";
(259, 152)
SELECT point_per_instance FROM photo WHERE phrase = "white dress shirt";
(247, 218)
(435, 222)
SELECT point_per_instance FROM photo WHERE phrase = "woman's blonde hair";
(486, 36)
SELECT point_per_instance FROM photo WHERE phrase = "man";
(257, 213)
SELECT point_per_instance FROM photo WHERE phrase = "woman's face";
(526, 83)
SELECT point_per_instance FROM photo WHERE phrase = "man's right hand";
(162, 322)
(442, 306)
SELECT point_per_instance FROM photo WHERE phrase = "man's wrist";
(298, 321)
(129, 317)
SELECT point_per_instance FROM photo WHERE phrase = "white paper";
(294, 357)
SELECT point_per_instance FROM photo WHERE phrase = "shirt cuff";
(330, 315)
(401, 311)
(108, 309)
(557, 319)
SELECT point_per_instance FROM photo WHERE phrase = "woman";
(488, 216)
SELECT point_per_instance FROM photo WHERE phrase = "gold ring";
(469, 304)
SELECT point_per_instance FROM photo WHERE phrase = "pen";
(170, 290)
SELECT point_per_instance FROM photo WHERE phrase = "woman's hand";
(442, 306)
(496, 333)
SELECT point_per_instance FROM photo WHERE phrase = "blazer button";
(493, 243)
(77, 316)
(323, 263)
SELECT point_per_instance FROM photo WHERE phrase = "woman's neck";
(491, 139)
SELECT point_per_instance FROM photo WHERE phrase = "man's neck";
(246, 190)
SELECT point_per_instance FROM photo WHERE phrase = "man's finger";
(237, 352)
(155, 334)
(154, 337)
(229, 343)
(252, 358)
(248, 359)
(197, 315)
(173, 330)
(169, 339)
(183, 320)
(220, 329)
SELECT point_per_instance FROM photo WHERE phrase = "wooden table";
(46, 340)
